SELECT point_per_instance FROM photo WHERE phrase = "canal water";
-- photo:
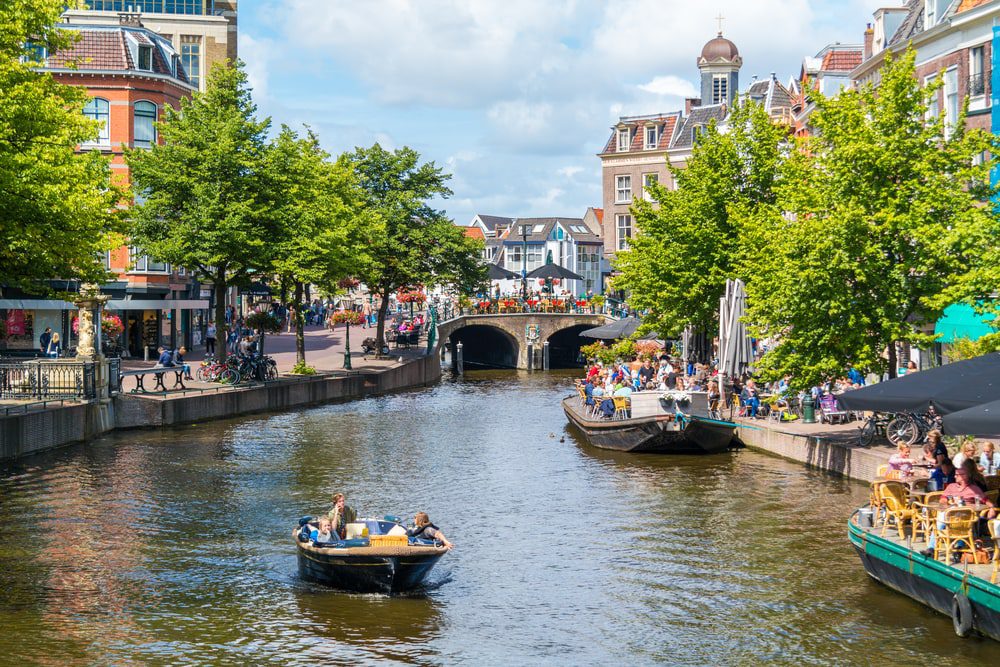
(174, 547)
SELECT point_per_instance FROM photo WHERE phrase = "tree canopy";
(58, 207)
(876, 218)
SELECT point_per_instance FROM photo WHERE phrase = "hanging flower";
(111, 325)
(347, 317)
(411, 296)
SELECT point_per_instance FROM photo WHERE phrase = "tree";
(691, 241)
(210, 195)
(58, 207)
(417, 244)
(323, 236)
(876, 217)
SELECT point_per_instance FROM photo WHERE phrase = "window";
(145, 124)
(98, 109)
(977, 82)
(623, 189)
(697, 131)
(624, 230)
(647, 180)
(142, 263)
(514, 257)
(154, 6)
(191, 58)
(145, 58)
(536, 254)
(720, 88)
(950, 100)
(35, 52)
(652, 136)
(932, 103)
(537, 229)
(623, 140)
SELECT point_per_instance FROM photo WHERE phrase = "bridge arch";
(564, 346)
(486, 346)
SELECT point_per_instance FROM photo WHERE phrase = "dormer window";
(652, 136)
(145, 58)
(697, 131)
(623, 140)
(35, 52)
(175, 62)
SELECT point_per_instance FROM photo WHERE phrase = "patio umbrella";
(981, 420)
(554, 271)
(949, 388)
(497, 272)
(622, 328)
(735, 354)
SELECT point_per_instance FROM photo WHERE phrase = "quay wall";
(37, 431)
(833, 455)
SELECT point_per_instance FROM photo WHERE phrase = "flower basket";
(678, 397)
(347, 317)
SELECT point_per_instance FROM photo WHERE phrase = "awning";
(158, 304)
(36, 304)
(959, 321)
(981, 420)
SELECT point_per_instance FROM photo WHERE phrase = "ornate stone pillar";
(88, 349)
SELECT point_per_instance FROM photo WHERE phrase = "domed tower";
(720, 64)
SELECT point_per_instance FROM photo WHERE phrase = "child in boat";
(324, 533)
(425, 530)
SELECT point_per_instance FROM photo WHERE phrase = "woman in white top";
(968, 451)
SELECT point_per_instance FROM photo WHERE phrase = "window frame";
(104, 134)
(651, 145)
(952, 100)
(152, 123)
(623, 193)
(623, 146)
(720, 88)
(148, 50)
(645, 183)
(623, 221)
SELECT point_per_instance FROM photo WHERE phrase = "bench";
(157, 372)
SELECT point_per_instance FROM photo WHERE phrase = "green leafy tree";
(691, 241)
(58, 207)
(417, 245)
(210, 193)
(323, 236)
(876, 217)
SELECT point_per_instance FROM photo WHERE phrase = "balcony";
(977, 84)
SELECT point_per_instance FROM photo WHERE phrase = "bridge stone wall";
(514, 326)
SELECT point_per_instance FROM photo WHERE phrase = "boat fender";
(961, 615)
(304, 520)
(304, 533)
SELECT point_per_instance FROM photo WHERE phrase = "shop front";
(26, 319)
(154, 323)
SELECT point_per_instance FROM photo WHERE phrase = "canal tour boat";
(962, 591)
(377, 557)
(658, 422)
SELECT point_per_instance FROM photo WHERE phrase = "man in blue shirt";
(166, 358)
(854, 376)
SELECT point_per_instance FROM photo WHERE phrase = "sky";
(513, 98)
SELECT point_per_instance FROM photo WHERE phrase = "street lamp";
(524, 262)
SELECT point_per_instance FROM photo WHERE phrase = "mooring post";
(531, 356)
(545, 356)
(458, 358)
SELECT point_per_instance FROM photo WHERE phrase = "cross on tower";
(720, 18)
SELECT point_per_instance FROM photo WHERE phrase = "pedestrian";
(43, 340)
(54, 347)
(210, 334)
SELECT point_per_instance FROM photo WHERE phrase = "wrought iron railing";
(977, 84)
(48, 379)
(517, 306)
(114, 375)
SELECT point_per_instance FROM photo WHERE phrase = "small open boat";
(378, 563)
(656, 425)
(962, 591)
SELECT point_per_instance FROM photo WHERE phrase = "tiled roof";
(912, 24)
(493, 221)
(841, 61)
(665, 122)
(966, 5)
(699, 116)
(473, 232)
(547, 224)
(107, 48)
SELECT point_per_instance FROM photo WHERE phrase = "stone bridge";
(500, 341)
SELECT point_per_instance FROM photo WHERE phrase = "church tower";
(720, 64)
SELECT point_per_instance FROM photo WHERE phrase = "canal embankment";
(37, 430)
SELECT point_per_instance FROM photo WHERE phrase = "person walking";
(210, 334)
(54, 348)
(43, 340)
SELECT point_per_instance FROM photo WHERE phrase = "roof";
(541, 229)
(110, 48)
(912, 25)
(474, 233)
(719, 48)
(841, 60)
(966, 5)
(700, 116)
(666, 122)
(493, 221)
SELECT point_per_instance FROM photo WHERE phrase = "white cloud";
(670, 85)
(569, 172)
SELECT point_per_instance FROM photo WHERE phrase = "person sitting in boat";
(961, 492)
(423, 529)
(975, 477)
(934, 438)
(623, 390)
(942, 476)
(646, 374)
(341, 515)
(901, 461)
(588, 392)
(323, 533)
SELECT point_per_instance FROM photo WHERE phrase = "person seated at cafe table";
(989, 460)
(961, 492)
(968, 451)
(975, 477)
(901, 461)
(935, 439)
(928, 459)
(942, 476)
(751, 398)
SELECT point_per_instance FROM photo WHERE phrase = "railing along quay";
(45, 379)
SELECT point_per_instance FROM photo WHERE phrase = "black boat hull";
(366, 574)
(653, 435)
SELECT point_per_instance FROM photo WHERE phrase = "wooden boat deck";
(984, 572)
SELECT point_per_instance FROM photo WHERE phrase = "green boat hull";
(950, 590)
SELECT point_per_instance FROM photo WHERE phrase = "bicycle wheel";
(271, 372)
(902, 430)
(867, 433)
(229, 376)
(203, 373)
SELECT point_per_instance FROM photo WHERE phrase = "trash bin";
(808, 411)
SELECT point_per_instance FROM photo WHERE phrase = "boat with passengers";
(957, 578)
(653, 422)
(376, 556)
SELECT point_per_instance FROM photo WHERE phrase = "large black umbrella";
(497, 272)
(554, 271)
(981, 420)
(622, 328)
(948, 388)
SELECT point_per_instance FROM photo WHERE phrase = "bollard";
(145, 352)
(545, 356)
(531, 357)
(808, 410)
(458, 358)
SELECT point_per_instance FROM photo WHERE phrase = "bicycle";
(911, 428)
(874, 425)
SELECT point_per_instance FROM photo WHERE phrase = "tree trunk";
(221, 330)
(892, 360)
(382, 310)
(300, 337)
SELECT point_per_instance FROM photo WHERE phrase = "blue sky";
(514, 98)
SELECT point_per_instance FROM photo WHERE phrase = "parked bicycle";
(875, 425)
(912, 428)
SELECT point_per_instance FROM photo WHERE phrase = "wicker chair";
(882, 470)
(992, 523)
(621, 407)
(895, 498)
(925, 515)
(958, 525)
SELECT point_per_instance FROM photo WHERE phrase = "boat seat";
(958, 525)
(621, 407)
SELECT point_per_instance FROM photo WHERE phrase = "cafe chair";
(897, 508)
(919, 485)
(958, 525)
(621, 407)
(925, 515)
(882, 470)
(992, 523)
(992, 483)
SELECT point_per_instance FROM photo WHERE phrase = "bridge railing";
(518, 307)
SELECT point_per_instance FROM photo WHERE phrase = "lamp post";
(524, 262)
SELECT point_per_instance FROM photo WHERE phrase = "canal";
(173, 546)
